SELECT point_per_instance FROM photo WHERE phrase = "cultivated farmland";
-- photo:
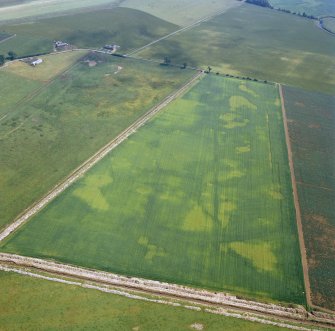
(257, 42)
(201, 195)
(126, 27)
(48, 128)
(312, 126)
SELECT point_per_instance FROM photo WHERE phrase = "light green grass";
(257, 42)
(126, 27)
(48, 131)
(52, 66)
(201, 196)
(14, 10)
(31, 304)
(181, 12)
(329, 23)
(311, 7)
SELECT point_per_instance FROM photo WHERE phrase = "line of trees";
(10, 56)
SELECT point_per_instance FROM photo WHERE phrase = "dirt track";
(216, 301)
(296, 202)
(81, 170)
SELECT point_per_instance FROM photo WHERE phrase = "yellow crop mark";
(276, 195)
(233, 120)
(90, 191)
(243, 149)
(259, 253)
(152, 250)
(238, 101)
(196, 220)
(226, 208)
(244, 88)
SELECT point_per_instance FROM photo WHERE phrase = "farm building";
(36, 62)
(59, 43)
(112, 47)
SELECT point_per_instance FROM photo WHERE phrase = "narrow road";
(188, 27)
(296, 202)
(216, 300)
(81, 170)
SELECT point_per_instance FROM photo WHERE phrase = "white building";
(36, 62)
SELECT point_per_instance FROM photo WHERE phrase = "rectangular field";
(259, 43)
(51, 123)
(311, 119)
(201, 195)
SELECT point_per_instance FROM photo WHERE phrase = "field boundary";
(88, 164)
(296, 201)
(221, 300)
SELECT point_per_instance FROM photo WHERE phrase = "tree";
(167, 60)
(11, 55)
(209, 69)
(184, 65)
(2, 60)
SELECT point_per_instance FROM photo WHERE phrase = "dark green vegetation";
(201, 195)
(262, 3)
(126, 27)
(257, 42)
(48, 128)
(312, 7)
(312, 132)
(32, 304)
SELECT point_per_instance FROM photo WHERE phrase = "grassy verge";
(32, 304)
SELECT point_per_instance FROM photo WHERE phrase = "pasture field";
(51, 130)
(329, 23)
(311, 7)
(201, 196)
(312, 125)
(32, 304)
(257, 42)
(126, 27)
(52, 66)
(180, 12)
(28, 9)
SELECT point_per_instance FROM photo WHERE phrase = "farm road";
(188, 27)
(217, 301)
(81, 170)
(296, 202)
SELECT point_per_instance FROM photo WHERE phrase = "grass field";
(51, 66)
(201, 195)
(181, 12)
(126, 27)
(257, 42)
(31, 304)
(329, 23)
(312, 126)
(26, 9)
(48, 132)
(312, 7)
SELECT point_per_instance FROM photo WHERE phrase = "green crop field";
(257, 42)
(34, 304)
(48, 128)
(201, 195)
(126, 27)
(181, 12)
(312, 126)
(311, 7)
